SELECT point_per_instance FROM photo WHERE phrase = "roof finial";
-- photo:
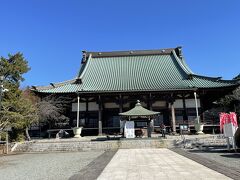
(138, 103)
(179, 52)
(84, 56)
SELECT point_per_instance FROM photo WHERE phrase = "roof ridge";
(54, 85)
(138, 50)
(65, 82)
(129, 52)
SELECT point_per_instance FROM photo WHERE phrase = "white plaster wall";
(159, 104)
(178, 103)
(111, 105)
(92, 106)
(190, 103)
(81, 108)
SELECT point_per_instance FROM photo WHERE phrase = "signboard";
(229, 130)
(183, 127)
(129, 129)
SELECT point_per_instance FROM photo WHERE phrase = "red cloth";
(222, 121)
(228, 118)
(233, 117)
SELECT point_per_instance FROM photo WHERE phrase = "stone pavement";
(220, 160)
(148, 164)
(45, 166)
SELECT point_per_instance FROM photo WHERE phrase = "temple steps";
(71, 146)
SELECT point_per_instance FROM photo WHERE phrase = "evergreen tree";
(17, 110)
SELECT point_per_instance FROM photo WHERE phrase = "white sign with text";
(129, 129)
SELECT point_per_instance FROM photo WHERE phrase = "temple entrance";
(111, 121)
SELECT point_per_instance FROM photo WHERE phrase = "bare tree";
(52, 109)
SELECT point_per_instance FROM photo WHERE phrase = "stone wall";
(54, 146)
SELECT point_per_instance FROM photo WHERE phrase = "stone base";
(77, 136)
(199, 128)
(77, 131)
(199, 132)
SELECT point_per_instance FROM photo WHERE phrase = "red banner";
(233, 117)
(228, 118)
(222, 121)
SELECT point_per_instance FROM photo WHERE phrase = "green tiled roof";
(148, 71)
(139, 111)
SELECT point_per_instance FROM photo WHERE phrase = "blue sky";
(52, 33)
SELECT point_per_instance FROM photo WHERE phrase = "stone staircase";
(76, 145)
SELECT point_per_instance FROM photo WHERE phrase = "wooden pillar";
(99, 116)
(120, 111)
(86, 114)
(150, 101)
(202, 110)
(196, 104)
(78, 109)
(150, 108)
(173, 118)
(149, 128)
(120, 103)
(185, 117)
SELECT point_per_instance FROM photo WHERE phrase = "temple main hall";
(109, 83)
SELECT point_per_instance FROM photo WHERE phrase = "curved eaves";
(179, 61)
(85, 67)
(186, 66)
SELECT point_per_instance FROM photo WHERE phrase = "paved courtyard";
(142, 164)
(124, 164)
(44, 166)
(228, 159)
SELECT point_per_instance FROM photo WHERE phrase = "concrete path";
(155, 164)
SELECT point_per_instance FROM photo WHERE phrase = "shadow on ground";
(214, 149)
(231, 155)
